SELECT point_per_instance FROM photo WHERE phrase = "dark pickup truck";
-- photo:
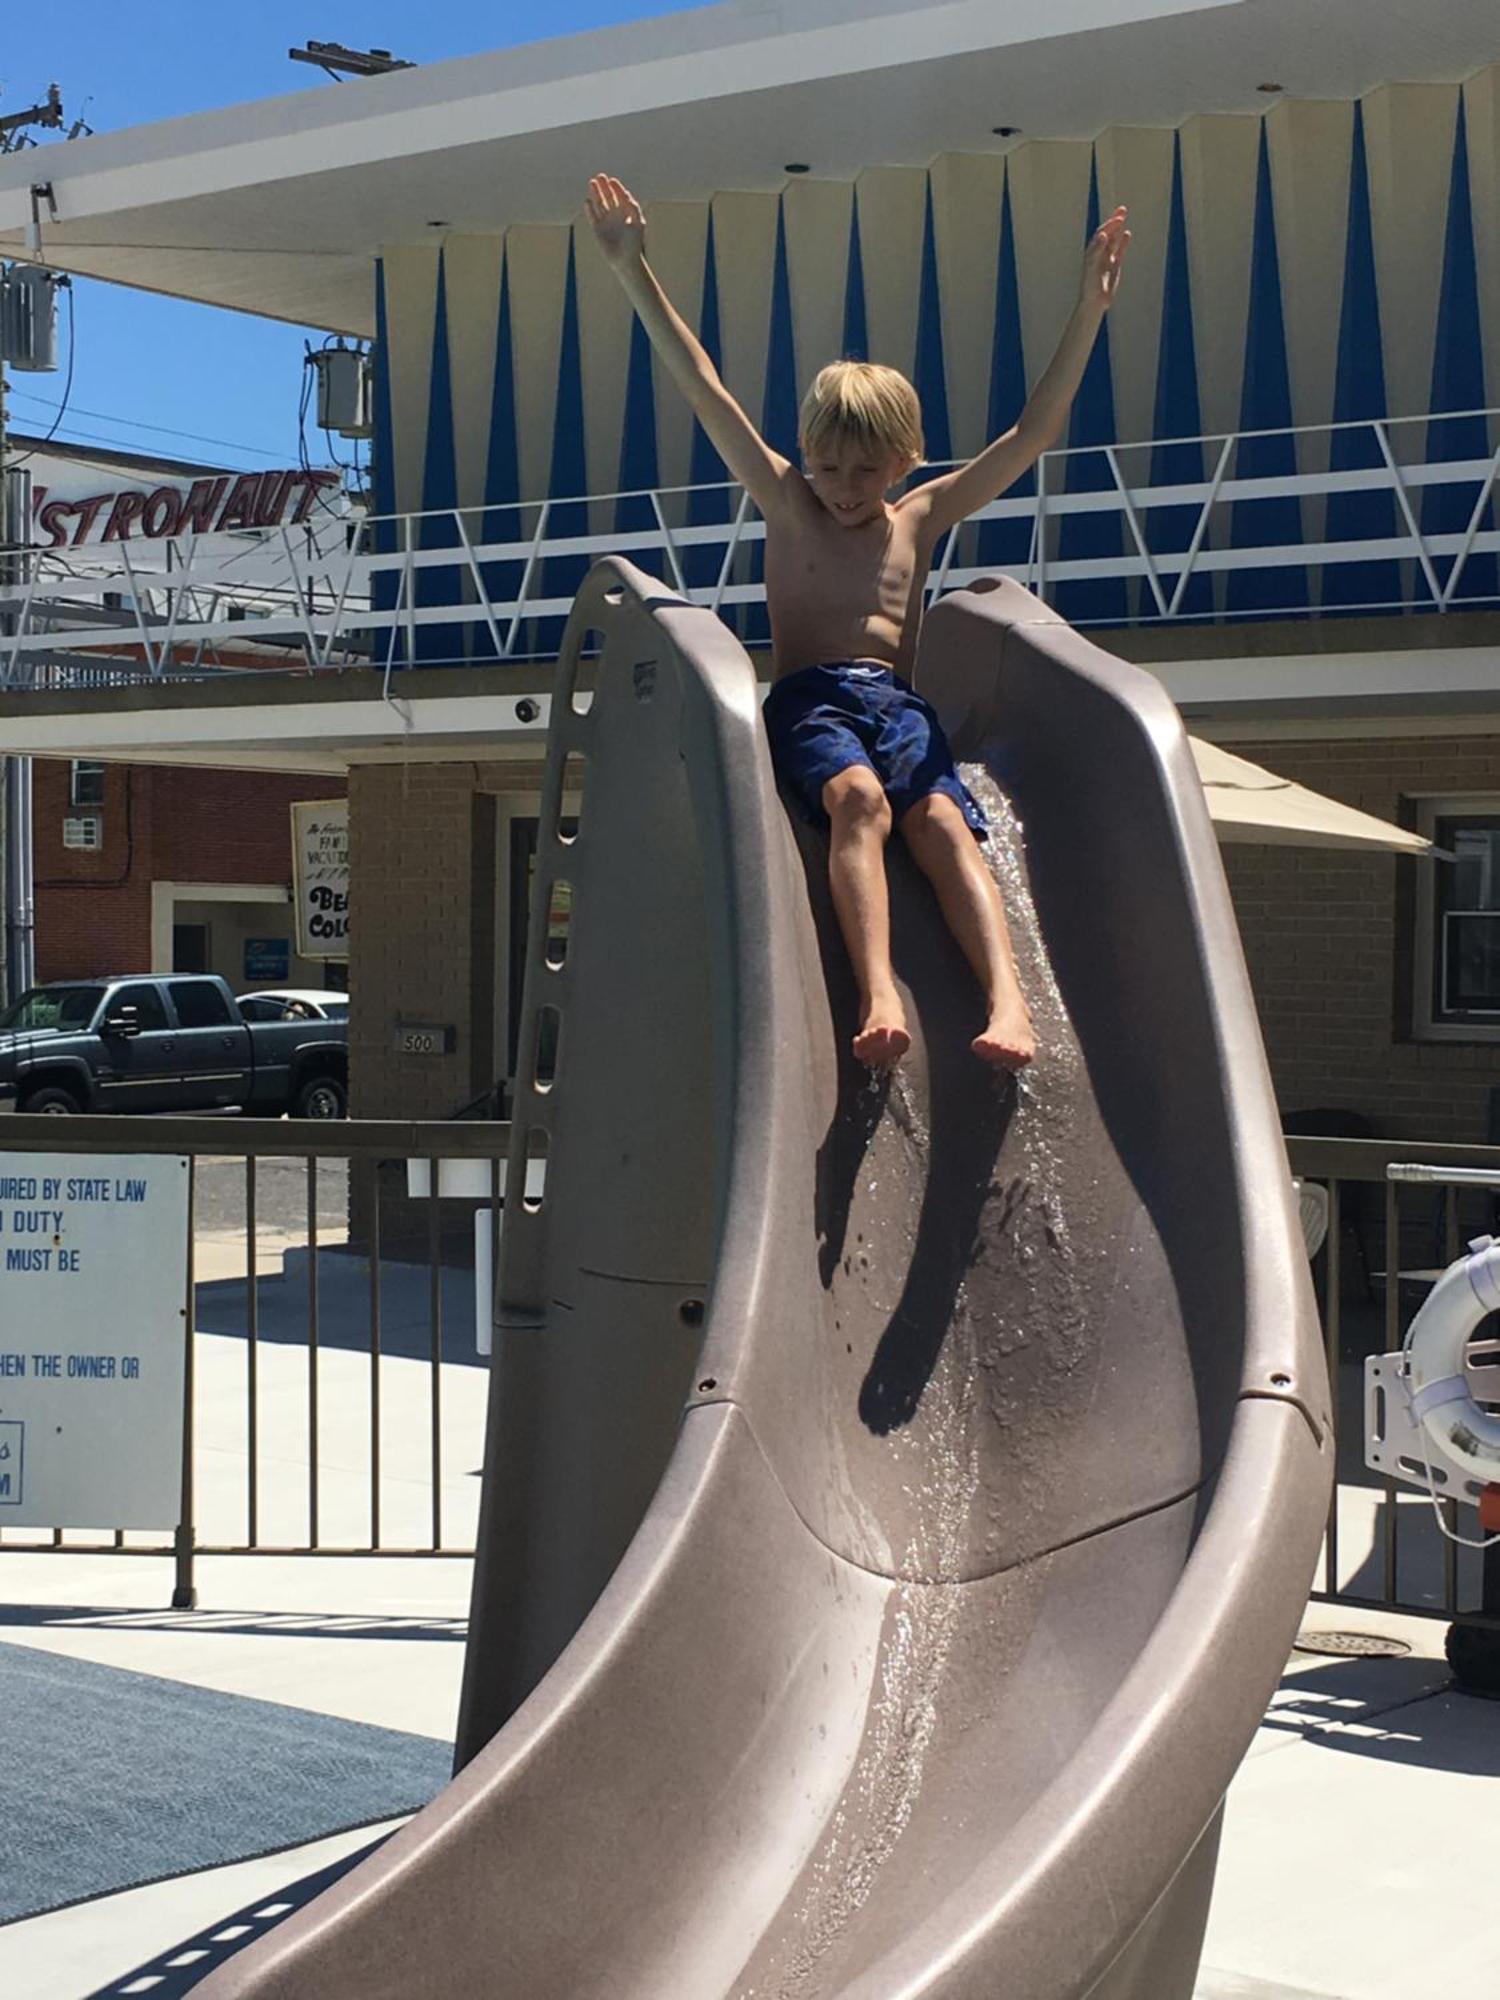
(172, 1044)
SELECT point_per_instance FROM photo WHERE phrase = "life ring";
(1441, 1399)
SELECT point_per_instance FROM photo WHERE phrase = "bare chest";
(843, 574)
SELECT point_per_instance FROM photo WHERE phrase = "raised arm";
(952, 497)
(620, 231)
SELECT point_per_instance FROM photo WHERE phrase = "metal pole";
(252, 1360)
(21, 834)
(374, 1167)
(1333, 1278)
(435, 1348)
(20, 953)
(312, 1350)
(1485, 1177)
(1392, 1342)
(184, 1587)
(7, 987)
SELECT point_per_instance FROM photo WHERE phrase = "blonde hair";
(864, 404)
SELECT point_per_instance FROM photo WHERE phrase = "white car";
(293, 1003)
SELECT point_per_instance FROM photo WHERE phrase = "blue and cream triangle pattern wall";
(1324, 262)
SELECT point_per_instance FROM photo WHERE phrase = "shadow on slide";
(899, 1498)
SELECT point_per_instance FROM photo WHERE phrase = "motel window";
(86, 787)
(1457, 961)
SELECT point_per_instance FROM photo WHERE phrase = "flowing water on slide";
(943, 1454)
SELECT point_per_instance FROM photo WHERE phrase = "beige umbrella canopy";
(1248, 803)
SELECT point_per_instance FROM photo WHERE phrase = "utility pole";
(18, 968)
(48, 114)
(7, 990)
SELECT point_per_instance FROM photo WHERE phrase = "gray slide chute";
(900, 1497)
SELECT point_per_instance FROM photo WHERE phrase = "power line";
(72, 434)
(136, 424)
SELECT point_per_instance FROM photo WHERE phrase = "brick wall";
(161, 824)
(423, 863)
(93, 909)
(423, 868)
(1326, 937)
(227, 826)
(411, 878)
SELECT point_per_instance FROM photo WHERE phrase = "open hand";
(618, 219)
(1103, 261)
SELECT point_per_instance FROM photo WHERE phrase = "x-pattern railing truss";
(385, 601)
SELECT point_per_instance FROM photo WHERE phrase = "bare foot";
(1009, 1040)
(882, 1039)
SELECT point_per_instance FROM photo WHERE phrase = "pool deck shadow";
(184, 1965)
(282, 1303)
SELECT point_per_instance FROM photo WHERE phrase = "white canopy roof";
(278, 207)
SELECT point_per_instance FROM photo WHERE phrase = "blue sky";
(145, 361)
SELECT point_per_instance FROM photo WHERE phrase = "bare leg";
(860, 817)
(945, 850)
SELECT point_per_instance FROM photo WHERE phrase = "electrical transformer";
(28, 317)
(346, 400)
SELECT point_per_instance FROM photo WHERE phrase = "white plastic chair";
(1312, 1209)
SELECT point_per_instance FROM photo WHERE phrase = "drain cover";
(1351, 1645)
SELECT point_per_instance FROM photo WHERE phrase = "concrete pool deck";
(1352, 1861)
(1350, 1866)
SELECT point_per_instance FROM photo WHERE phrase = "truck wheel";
(321, 1097)
(54, 1100)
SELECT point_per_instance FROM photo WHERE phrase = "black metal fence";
(1387, 1241)
(324, 1196)
(374, 1307)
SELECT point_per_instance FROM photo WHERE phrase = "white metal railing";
(490, 583)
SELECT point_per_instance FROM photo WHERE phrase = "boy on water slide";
(845, 570)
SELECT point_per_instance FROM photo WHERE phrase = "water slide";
(900, 1496)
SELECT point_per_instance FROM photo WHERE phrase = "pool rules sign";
(93, 1291)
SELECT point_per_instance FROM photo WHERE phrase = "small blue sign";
(12, 1462)
(268, 958)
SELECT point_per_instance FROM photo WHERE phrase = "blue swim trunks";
(823, 719)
